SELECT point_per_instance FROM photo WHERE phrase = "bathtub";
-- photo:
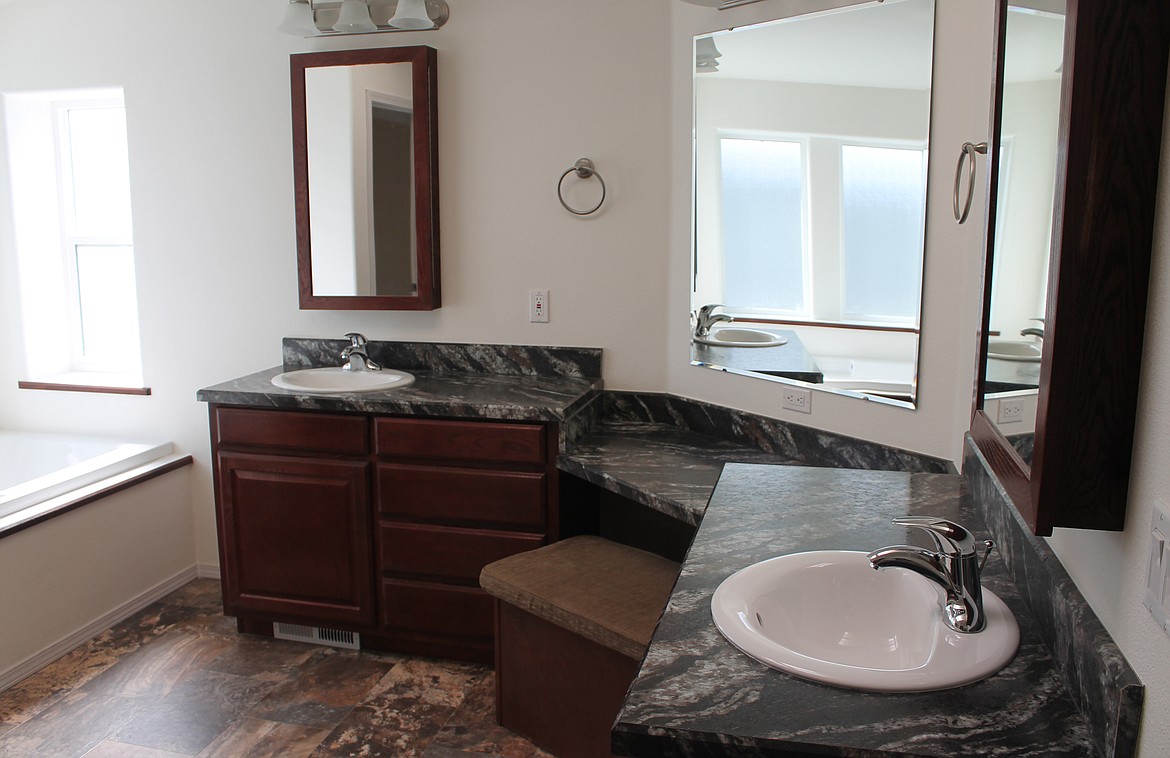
(36, 467)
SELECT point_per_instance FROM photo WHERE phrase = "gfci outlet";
(538, 306)
(797, 400)
(1010, 411)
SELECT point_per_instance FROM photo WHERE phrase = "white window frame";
(823, 255)
(47, 240)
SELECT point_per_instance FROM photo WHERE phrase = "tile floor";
(177, 680)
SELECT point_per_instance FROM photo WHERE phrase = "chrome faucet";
(705, 319)
(355, 356)
(954, 566)
(1034, 331)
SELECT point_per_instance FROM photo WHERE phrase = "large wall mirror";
(810, 164)
(1095, 225)
(365, 168)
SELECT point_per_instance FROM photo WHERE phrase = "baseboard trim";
(207, 570)
(37, 661)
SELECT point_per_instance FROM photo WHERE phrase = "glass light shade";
(298, 20)
(411, 14)
(354, 17)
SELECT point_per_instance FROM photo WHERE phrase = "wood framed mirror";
(1109, 136)
(365, 168)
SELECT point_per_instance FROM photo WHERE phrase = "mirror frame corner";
(1110, 140)
(424, 76)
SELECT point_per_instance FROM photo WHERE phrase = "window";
(765, 259)
(75, 248)
(856, 258)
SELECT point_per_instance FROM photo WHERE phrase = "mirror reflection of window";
(810, 189)
(883, 212)
(764, 251)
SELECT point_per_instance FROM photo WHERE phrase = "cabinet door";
(296, 537)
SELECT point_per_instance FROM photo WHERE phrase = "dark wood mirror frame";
(426, 177)
(1111, 112)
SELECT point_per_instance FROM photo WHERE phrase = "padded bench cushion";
(606, 592)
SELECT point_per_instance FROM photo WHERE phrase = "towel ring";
(584, 168)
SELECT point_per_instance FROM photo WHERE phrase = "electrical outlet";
(1010, 411)
(1157, 595)
(797, 400)
(538, 306)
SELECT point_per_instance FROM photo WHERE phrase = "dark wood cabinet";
(376, 524)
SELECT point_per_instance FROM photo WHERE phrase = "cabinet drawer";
(460, 440)
(512, 499)
(447, 553)
(312, 432)
(436, 608)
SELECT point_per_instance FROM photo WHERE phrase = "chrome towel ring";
(968, 153)
(584, 168)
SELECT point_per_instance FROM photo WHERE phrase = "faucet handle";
(949, 537)
(356, 339)
(706, 309)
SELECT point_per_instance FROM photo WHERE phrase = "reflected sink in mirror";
(1014, 350)
(830, 617)
(336, 380)
(739, 337)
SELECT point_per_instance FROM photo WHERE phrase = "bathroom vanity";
(374, 512)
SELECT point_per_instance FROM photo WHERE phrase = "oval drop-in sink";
(830, 617)
(335, 380)
(739, 337)
(1014, 350)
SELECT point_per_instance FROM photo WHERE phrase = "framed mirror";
(810, 165)
(365, 168)
(1108, 139)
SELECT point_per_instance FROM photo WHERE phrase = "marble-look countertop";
(454, 395)
(790, 360)
(696, 695)
(661, 466)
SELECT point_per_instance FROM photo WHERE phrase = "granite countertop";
(463, 395)
(665, 468)
(789, 360)
(696, 695)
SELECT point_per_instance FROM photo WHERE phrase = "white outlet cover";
(1157, 595)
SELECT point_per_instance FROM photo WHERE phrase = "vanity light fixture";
(326, 18)
(706, 55)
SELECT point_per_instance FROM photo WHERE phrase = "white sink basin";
(335, 380)
(738, 337)
(1014, 350)
(830, 617)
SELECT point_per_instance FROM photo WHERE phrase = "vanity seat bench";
(573, 620)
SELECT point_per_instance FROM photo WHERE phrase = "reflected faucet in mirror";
(705, 318)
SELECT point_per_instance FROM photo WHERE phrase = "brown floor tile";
(202, 594)
(324, 690)
(473, 728)
(111, 749)
(249, 655)
(257, 738)
(70, 727)
(157, 668)
(404, 712)
(194, 713)
(177, 679)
